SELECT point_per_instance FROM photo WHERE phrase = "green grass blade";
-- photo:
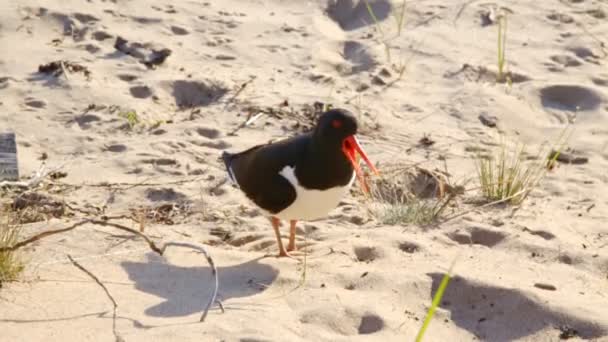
(436, 300)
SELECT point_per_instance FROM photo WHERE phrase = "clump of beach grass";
(416, 196)
(507, 175)
(10, 264)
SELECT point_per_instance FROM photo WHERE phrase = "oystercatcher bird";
(303, 177)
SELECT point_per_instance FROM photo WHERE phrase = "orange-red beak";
(352, 149)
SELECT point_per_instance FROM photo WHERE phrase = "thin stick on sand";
(117, 336)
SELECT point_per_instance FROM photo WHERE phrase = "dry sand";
(364, 281)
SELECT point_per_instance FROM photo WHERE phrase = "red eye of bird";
(336, 123)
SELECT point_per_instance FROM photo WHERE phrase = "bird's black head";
(335, 125)
(336, 131)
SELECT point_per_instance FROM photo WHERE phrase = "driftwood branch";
(117, 336)
(153, 246)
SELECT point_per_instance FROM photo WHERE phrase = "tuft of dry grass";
(10, 264)
(506, 174)
(412, 196)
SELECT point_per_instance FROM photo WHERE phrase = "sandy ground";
(365, 281)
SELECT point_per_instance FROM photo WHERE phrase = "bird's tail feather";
(227, 158)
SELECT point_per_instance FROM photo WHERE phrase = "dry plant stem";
(506, 199)
(117, 336)
(238, 92)
(127, 186)
(151, 244)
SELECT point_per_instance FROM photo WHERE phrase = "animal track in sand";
(127, 77)
(209, 133)
(602, 82)
(367, 254)
(218, 144)
(146, 20)
(356, 54)
(562, 18)
(92, 48)
(190, 94)
(116, 148)
(140, 92)
(566, 61)
(543, 234)
(160, 161)
(347, 322)
(164, 195)
(584, 53)
(84, 121)
(409, 247)
(101, 35)
(350, 16)
(597, 13)
(180, 31)
(245, 239)
(482, 74)
(370, 323)
(478, 236)
(34, 103)
(572, 98)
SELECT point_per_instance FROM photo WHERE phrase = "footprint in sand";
(189, 94)
(164, 195)
(565, 61)
(600, 81)
(573, 98)
(344, 321)
(478, 236)
(209, 133)
(358, 56)
(409, 247)
(179, 31)
(140, 92)
(127, 77)
(116, 148)
(101, 35)
(560, 17)
(367, 254)
(351, 16)
(34, 103)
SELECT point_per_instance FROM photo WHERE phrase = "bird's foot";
(285, 254)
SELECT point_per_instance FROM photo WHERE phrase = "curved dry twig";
(201, 249)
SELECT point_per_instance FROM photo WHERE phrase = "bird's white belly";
(311, 204)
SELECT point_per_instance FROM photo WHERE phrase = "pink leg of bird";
(275, 224)
(292, 236)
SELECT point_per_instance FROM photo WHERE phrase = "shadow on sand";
(501, 314)
(186, 290)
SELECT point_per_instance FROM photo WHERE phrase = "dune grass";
(502, 75)
(506, 174)
(399, 17)
(10, 264)
(414, 211)
(394, 202)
